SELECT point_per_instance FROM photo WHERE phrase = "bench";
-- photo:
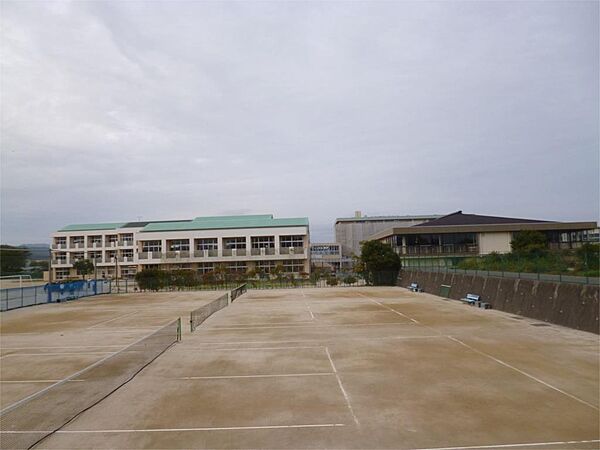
(475, 300)
(414, 287)
(471, 299)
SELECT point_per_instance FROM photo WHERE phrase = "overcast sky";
(114, 111)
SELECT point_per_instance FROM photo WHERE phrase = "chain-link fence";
(21, 297)
(519, 275)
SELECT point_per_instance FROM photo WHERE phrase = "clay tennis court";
(314, 368)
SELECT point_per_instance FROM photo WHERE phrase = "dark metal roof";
(458, 218)
(143, 224)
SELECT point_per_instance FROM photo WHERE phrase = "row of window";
(228, 243)
(295, 265)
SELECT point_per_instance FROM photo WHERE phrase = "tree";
(12, 259)
(588, 257)
(84, 267)
(380, 263)
(529, 243)
(151, 279)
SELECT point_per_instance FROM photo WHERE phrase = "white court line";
(55, 354)
(100, 361)
(318, 340)
(169, 430)
(37, 381)
(387, 307)
(62, 346)
(525, 444)
(312, 316)
(220, 377)
(241, 349)
(216, 327)
(313, 326)
(499, 361)
(342, 388)
(111, 320)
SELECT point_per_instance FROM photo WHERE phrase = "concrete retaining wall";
(571, 305)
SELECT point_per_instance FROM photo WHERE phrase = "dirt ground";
(358, 368)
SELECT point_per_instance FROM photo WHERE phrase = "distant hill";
(37, 251)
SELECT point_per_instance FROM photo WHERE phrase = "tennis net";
(199, 315)
(235, 293)
(28, 421)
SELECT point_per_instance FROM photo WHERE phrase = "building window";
(266, 266)
(95, 256)
(207, 244)
(206, 267)
(78, 239)
(237, 267)
(292, 241)
(95, 240)
(62, 273)
(236, 242)
(294, 265)
(179, 245)
(263, 242)
(151, 246)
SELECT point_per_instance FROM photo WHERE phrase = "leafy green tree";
(588, 257)
(12, 259)
(380, 264)
(529, 243)
(332, 281)
(350, 279)
(84, 267)
(151, 279)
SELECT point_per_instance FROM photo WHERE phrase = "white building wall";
(494, 242)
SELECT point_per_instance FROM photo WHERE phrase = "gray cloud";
(114, 110)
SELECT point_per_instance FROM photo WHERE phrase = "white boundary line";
(111, 320)
(218, 327)
(241, 349)
(499, 361)
(221, 377)
(207, 344)
(100, 361)
(167, 430)
(524, 444)
(390, 309)
(63, 346)
(342, 387)
(314, 326)
(36, 381)
(54, 354)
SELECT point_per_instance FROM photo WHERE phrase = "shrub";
(152, 279)
(350, 279)
(332, 281)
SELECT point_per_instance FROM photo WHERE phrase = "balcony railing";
(206, 253)
(78, 245)
(111, 244)
(291, 251)
(61, 246)
(125, 243)
(149, 255)
(95, 244)
(234, 252)
(126, 259)
(178, 254)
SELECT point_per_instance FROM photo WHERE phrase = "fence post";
(35, 295)
(21, 296)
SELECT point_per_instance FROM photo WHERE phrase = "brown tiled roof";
(458, 218)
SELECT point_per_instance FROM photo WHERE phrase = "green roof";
(224, 222)
(93, 226)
